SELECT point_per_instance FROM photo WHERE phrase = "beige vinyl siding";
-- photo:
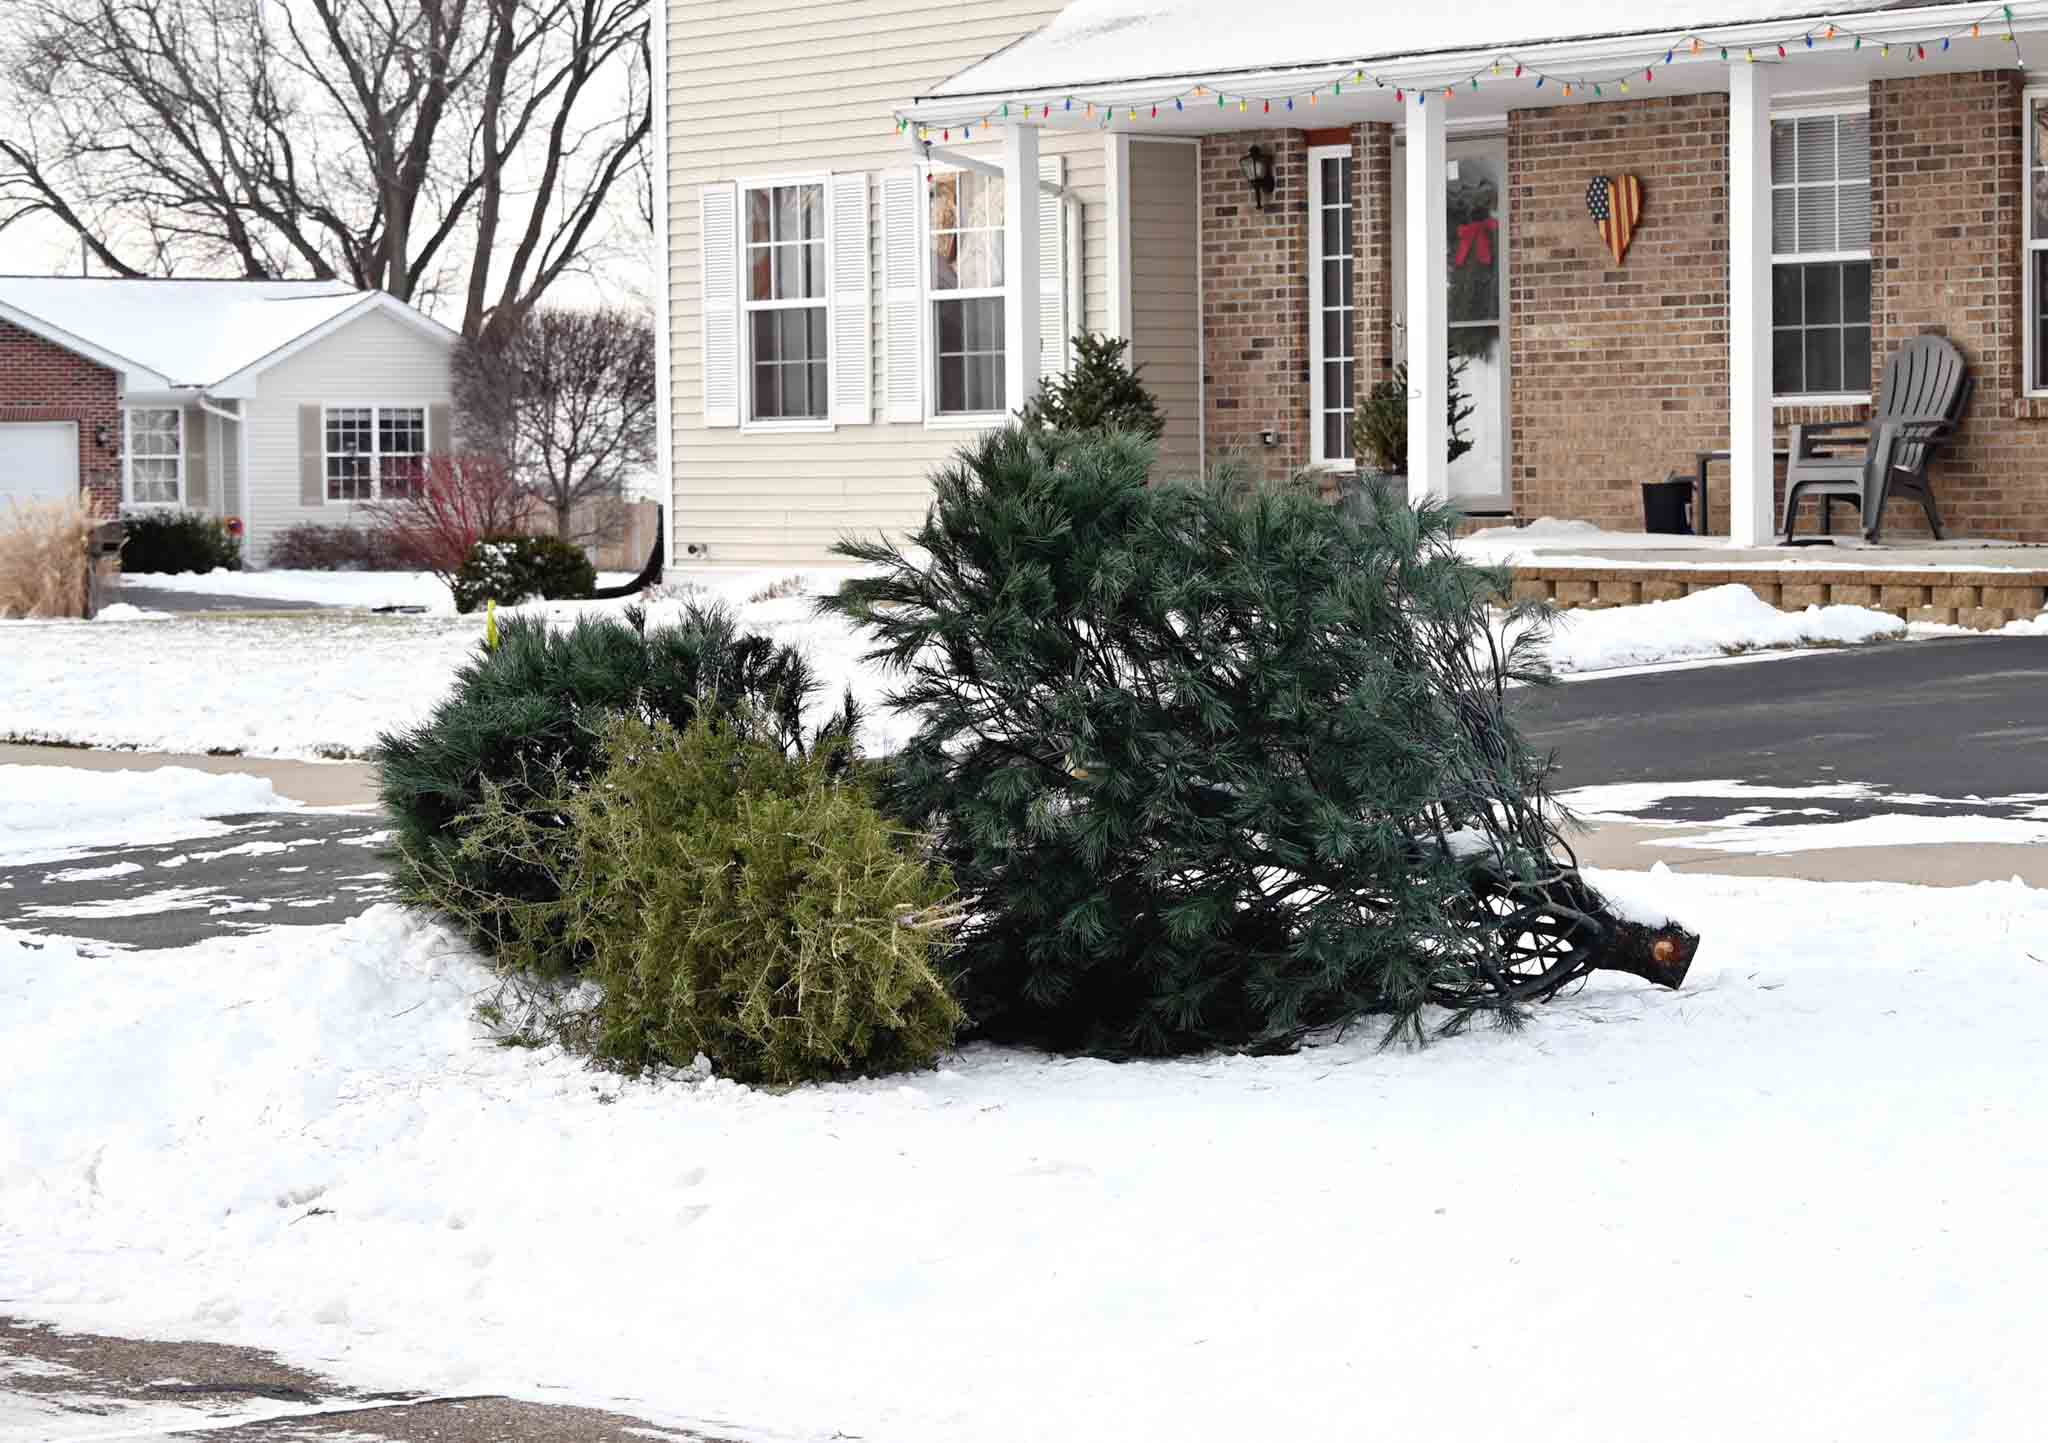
(1166, 303)
(759, 89)
(373, 360)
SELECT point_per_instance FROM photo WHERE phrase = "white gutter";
(1561, 59)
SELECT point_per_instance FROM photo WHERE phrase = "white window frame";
(823, 181)
(1317, 402)
(1800, 399)
(2032, 96)
(934, 418)
(128, 455)
(376, 451)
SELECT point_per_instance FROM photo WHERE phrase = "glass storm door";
(1476, 234)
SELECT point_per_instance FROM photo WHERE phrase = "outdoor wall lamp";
(101, 436)
(1257, 166)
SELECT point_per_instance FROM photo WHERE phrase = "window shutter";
(1052, 271)
(846, 236)
(718, 241)
(197, 492)
(439, 428)
(312, 465)
(902, 297)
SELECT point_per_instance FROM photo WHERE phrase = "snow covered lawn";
(323, 684)
(1803, 1198)
(330, 588)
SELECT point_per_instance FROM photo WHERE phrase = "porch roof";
(1117, 59)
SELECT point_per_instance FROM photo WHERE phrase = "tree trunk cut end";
(1661, 955)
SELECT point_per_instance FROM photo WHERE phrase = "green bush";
(735, 901)
(174, 541)
(1101, 392)
(512, 569)
(1379, 426)
(1209, 768)
(309, 546)
(529, 716)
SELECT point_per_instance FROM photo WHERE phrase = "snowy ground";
(1803, 1198)
(52, 814)
(330, 588)
(325, 683)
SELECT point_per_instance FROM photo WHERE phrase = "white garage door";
(38, 460)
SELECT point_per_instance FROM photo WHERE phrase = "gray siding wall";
(1166, 301)
(765, 88)
(374, 360)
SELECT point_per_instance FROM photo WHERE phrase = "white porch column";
(1749, 304)
(1020, 265)
(1428, 294)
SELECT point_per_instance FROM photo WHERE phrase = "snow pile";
(298, 1140)
(122, 611)
(1549, 539)
(51, 814)
(1719, 621)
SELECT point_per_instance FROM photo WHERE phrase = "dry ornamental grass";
(45, 548)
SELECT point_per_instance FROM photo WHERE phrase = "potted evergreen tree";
(1379, 427)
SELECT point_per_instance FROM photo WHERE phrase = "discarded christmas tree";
(1217, 767)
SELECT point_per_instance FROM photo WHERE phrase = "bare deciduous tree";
(460, 148)
(567, 397)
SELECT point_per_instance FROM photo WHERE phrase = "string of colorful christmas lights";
(1833, 34)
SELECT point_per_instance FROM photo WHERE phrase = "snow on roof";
(190, 333)
(1095, 42)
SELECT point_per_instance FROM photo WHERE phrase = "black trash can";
(1667, 507)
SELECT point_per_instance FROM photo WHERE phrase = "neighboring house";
(855, 285)
(277, 402)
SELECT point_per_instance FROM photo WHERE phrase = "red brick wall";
(1620, 373)
(1947, 155)
(40, 381)
(1372, 154)
(1255, 304)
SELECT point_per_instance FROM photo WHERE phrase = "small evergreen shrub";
(1196, 757)
(310, 546)
(1101, 392)
(733, 900)
(512, 569)
(529, 716)
(175, 541)
(1379, 425)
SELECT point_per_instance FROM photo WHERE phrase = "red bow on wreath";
(1475, 238)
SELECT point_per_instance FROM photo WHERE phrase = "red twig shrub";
(459, 500)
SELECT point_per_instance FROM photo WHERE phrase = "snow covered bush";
(45, 550)
(512, 569)
(1212, 768)
(175, 541)
(731, 899)
(530, 714)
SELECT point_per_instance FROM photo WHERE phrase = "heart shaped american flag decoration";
(1617, 204)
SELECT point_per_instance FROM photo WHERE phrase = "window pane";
(984, 325)
(1856, 291)
(402, 430)
(1787, 353)
(767, 338)
(1823, 288)
(1852, 161)
(2040, 263)
(977, 263)
(761, 273)
(1782, 170)
(952, 384)
(1824, 360)
(760, 204)
(1853, 218)
(985, 383)
(1336, 436)
(985, 203)
(1817, 219)
(1815, 143)
(1336, 333)
(1785, 296)
(788, 198)
(1856, 359)
(767, 392)
(970, 355)
(812, 199)
(1784, 221)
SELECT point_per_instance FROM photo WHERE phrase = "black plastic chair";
(1920, 404)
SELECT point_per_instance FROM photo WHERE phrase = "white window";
(153, 455)
(373, 452)
(785, 303)
(2036, 281)
(964, 280)
(1820, 255)
(1333, 367)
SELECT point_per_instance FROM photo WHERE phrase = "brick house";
(276, 402)
(865, 267)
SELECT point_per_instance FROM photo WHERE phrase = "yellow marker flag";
(491, 625)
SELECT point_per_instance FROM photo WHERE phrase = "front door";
(1476, 230)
